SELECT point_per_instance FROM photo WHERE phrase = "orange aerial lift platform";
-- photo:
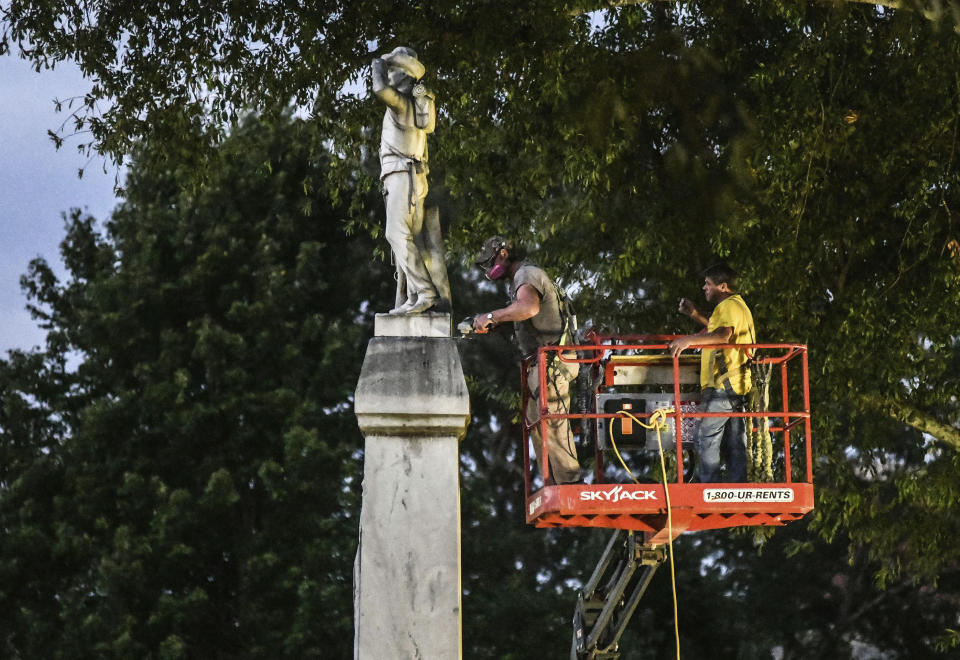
(636, 407)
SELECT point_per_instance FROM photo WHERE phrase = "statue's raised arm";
(410, 116)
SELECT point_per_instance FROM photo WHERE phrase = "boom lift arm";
(603, 612)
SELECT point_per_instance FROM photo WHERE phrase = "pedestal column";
(412, 406)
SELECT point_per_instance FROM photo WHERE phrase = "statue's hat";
(405, 58)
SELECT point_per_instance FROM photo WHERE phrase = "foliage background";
(179, 473)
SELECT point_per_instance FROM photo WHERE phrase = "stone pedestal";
(412, 405)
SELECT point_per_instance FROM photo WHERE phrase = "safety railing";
(606, 356)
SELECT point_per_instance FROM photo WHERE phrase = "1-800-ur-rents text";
(747, 495)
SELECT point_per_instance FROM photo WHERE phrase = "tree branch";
(914, 418)
(609, 4)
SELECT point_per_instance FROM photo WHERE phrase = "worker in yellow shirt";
(724, 374)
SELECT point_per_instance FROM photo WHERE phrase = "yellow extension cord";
(657, 420)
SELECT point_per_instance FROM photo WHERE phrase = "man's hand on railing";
(680, 344)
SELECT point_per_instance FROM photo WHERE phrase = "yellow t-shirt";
(732, 312)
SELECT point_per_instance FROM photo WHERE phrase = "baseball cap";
(490, 248)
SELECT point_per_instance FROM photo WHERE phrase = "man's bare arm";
(721, 335)
(526, 306)
(688, 308)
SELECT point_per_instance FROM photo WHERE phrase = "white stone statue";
(412, 231)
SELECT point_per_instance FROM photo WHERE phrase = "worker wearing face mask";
(541, 317)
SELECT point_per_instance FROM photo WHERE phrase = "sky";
(39, 184)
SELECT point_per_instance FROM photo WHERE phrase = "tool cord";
(657, 422)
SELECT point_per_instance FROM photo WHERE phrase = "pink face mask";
(498, 271)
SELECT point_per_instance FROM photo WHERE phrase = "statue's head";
(403, 63)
